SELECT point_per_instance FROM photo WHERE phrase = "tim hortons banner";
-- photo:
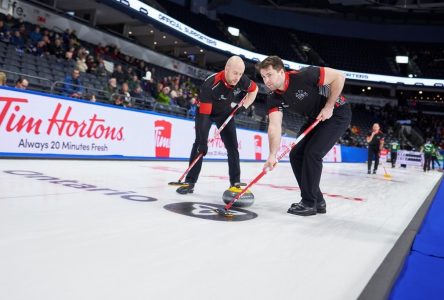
(39, 125)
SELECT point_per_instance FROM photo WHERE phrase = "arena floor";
(115, 230)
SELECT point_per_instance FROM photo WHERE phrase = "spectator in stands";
(126, 97)
(173, 97)
(92, 98)
(69, 60)
(57, 49)
(5, 37)
(148, 85)
(81, 60)
(36, 35)
(91, 64)
(216, 96)
(114, 53)
(3, 29)
(181, 99)
(46, 34)
(140, 70)
(137, 93)
(356, 130)
(21, 83)
(375, 140)
(66, 36)
(193, 108)
(163, 96)
(73, 40)
(72, 85)
(101, 69)
(2, 79)
(10, 22)
(129, 73)
(40, 49)
(18, 41)
(111, 88)
(118, 74)
(133, 82)
(99, 50)
(117, 100)
(157, 90)
(23, 32)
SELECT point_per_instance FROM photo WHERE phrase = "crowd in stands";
(391, 118)
(351, 54)
(129, 81)
(126, 81)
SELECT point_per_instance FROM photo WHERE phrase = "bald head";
(235, 61)
(234, 69)
(376, 127)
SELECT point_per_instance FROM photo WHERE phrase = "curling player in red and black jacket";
(315, 93)
(217, 94)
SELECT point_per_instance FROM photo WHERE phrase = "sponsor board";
(409, 158)
(36, 124)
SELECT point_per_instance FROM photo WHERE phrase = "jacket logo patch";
(301, 94)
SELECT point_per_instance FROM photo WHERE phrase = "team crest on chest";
(301, 94)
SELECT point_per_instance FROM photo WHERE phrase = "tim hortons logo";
(216, 142)
(60, 123)
(162, 134)
(258, 147)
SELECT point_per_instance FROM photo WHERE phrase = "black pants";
(306, 157)
(435, 159)
(394, 156)
(427, 161)
(373, 154)
(229, 137)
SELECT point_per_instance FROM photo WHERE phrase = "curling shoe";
(186, 188)
(321, 208)
(238, 185)
(302, 209)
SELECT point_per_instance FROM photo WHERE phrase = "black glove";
(202, 148)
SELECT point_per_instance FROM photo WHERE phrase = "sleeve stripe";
(252, 86)
(205, 108)
(273, 110)
(321, 76)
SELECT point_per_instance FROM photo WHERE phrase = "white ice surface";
(61, 242)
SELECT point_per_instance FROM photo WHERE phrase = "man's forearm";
(274, 139)
(336, 80)
(335, 90)
(250, 97)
